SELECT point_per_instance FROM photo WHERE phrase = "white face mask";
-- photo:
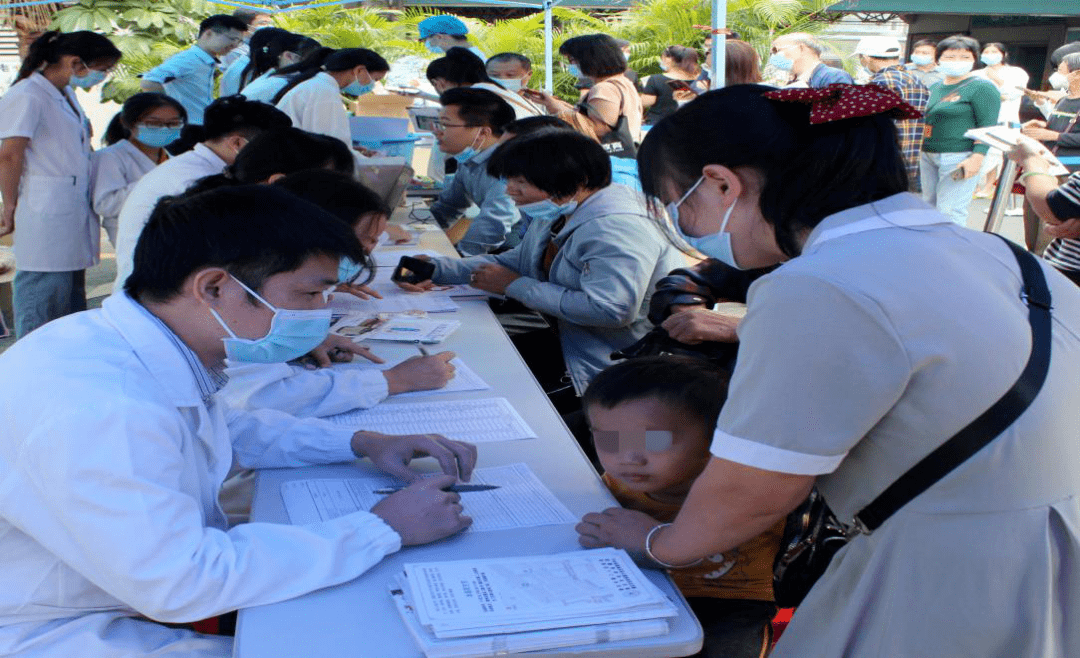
(1059, 80)
(511, 84)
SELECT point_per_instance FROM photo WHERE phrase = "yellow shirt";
(745, 572)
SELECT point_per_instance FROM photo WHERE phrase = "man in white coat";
(115, 446)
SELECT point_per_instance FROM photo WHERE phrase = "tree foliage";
(148, 31)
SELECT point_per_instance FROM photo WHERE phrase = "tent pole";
(547, 46)
(719, 48)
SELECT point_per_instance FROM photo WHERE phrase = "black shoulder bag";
(813, 534)
(618, 142)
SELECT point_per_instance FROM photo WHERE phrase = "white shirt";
(172, 177)
(301, 392)
(265, 87)
(110, 464)
(1014, 79)
(55, 228)
(522, 107)
(114, 171)
(315, 105)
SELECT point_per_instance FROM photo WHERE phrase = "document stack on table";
(502, 606)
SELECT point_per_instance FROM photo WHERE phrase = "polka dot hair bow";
(843, 101)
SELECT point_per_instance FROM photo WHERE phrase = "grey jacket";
(610, 256)
(472, 184)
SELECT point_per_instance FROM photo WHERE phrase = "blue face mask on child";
(157, 136)
(293, 333)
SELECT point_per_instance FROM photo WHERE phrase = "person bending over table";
(855, 362)
(589, 258)
(116, 442)
(468, 129)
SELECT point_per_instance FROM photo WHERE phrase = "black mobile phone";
(412, 270)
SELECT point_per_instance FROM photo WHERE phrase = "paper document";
(390, 257)
(395, 300)
(475, 421)
(464, 379)
(510, 595)
(1005, 139)
(405, 328)
(521, 501)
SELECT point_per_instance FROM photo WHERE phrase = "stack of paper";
(475, 421)
(511, 605)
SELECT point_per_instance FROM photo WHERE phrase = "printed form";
(521, 501)
(475, 421)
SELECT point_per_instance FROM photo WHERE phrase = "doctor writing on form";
(109, 506)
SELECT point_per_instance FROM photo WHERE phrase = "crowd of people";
(613, 227)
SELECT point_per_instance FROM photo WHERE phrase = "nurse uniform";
(114, 171)
(57, 235)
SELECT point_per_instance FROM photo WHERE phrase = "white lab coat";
(55, 228)
(265, 87)
(114, 171)
(172, 177)
(315, 105)
(110, 465)
(301, 392)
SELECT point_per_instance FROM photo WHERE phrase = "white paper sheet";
(522, 501)
(394, 300)
(465, 379)
(386, 257)
(475, 421)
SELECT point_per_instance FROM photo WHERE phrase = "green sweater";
(974, 103)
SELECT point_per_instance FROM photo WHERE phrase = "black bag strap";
(990, 424)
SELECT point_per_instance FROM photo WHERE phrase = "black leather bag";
(813, 534)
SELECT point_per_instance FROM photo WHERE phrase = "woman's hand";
(700, 325)
(493, 278)
(616, 527)
(550, 103)
(1036, 129)
(1069, 229)
(7, 220)
(420, 373)
(968, 167)
(684, 95)
(397, 234)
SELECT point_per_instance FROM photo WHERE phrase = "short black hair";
(248, 15)
(1000, 47)
(512, 57)
(558, 162)
(236, 114)
(252, 231)
(280, 151)
(350, 58)
(222, 23)
(135, 108)
(597, 55)
(529, 125)
(694, 387)
(809, 171)
(924, 42)
(684, 56)
(460, 66)
(958, 42)
(479, 107)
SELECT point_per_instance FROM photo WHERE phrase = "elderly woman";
(590, 256)
(855, 363)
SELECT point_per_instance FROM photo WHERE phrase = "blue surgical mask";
(991, 59)
(955, 69)
(469, 151)
(91, 78)
(574, 70)
(433, 48)
(922, 60)
(511, 84)
(354, 88)
(157, 136)
(348, 270)
(293, 333)
(663, 66)
(779, 61)
(548, 210)
(715, 245)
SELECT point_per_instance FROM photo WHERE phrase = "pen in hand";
(455, 488)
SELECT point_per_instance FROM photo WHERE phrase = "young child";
(652, 421)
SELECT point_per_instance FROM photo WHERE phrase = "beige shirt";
(611, 98)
